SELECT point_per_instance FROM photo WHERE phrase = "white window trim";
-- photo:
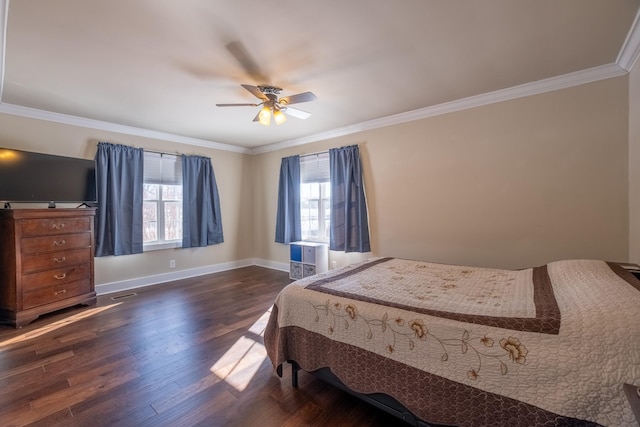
(162, 244)
(314, 168)
(322, 224)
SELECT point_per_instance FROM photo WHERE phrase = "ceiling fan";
(274, 106)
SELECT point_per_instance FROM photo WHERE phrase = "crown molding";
(534, 88)
(4, 13)
(631, 48)
(34, 113)
(541, 86)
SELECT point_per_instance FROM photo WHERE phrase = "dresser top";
(46, 213)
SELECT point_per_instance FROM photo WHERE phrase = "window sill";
(324, 242)
(160, 246)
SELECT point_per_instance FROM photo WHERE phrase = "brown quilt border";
(430, 397)
(547, 320)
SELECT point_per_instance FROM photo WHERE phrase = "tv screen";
(37, 177)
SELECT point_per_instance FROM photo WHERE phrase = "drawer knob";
(57, 226)
(59, 260)
(60, 276)
(59, 242)
(63, 291)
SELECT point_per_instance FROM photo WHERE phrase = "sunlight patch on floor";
(241, 362)
(55, 325)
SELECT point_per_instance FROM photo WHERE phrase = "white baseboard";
(139, 282)
(281, 266)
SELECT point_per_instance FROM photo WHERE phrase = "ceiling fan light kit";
(274, 106)
(264, 116)
(279, 117)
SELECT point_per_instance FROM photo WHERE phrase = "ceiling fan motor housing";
(270, 90)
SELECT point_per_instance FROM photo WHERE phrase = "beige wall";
(509, 185)
(634, 164)
(512, 184)
(233, 173)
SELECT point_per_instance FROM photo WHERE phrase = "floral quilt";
(471, 346)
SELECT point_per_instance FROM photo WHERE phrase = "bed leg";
(294, 374)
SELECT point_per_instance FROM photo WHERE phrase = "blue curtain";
(349, 228)
(201, 218)
(288, 225)
(119, 181)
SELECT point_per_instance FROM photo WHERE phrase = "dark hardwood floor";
(183, 353)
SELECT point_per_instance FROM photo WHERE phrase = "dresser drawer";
(55, 293)
(32, 245)
(46, 262)
(55, 277)
(50, 260)
(48, 226)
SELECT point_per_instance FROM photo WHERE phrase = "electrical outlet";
(334, 265)
(172, 263)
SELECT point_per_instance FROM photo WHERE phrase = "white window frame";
(161, 169)
(314, 169)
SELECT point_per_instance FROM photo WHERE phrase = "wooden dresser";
(46, 262)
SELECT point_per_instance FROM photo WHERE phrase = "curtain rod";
(162, 152)
(314, 154)
(320, 152)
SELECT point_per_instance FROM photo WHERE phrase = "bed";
(467, 346)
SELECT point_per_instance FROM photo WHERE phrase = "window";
(315, 197)
(162, 201)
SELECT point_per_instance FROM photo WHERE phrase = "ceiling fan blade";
(241, 54)
(257, 117)
(295, 99)
(256, 92)
(294, 112)
(237, 105)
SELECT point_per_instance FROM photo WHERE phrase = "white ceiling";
(159, 67)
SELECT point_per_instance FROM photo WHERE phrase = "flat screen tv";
(36, 177)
